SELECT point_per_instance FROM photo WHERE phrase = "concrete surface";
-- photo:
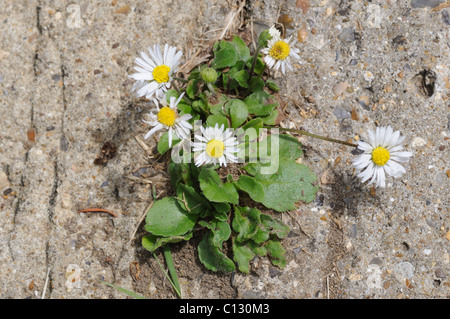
(65, 92)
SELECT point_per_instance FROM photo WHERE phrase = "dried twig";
(46, 284)
(97, 210)
(144, 146)
(441, 6)
(140, 221)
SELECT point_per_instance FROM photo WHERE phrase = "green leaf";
(125, 291)
(285, 182)
(256, 84)
(217, 118)
(256, 123)
(222, 207)
(221, 231)
(191, 200)
(217, 105)
(242, 255)
(238, 112)
(152, 242)
(227, 56)
(184, 108)
(179, 172)
(163, 143)
(215, 190)
(262, 235)
(274, 226)
(251, 186)
(241, 48)
(192, 88)
(258, 103)
(212, 257)
(259, 65)
(270, 119)
(170, 93)
(264, 38)
(257, 249)
(242, 78)
(276, 252)
(166, 218)
(272, 85)
(245, 222)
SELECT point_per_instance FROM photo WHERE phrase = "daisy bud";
(209, 75)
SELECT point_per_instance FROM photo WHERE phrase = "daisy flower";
(279, 52)
(167, 118)
(382, 154)
(216, 145)
(154, 72)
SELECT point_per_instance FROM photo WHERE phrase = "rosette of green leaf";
(166, 218)
(192, 201)
(220, 231)
(152, 242)
(237, 111)
(211, 256)
(292, 182)
(216, 104)
(260, 103)
(276, 253)
(214, 189)
(242, 255)
(245, 222)
(255, 233)
(226, 55)
(251, 186)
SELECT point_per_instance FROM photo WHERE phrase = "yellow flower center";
(167, 116)
(161, 73)
(215, 148)
(280, 50)
(380, 156)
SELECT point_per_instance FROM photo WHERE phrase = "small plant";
(228, 157)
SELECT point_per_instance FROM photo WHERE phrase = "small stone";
(368, 76)
(425, 3)
(353, 62)
(123, 10)
(445, 17)
(3, 180)
(374, 16)
(347, 35)
(363, 101)
(340, 88)
(440, 273)
(404, 270)
(319, 41)
(302, 34)
(341, 113)
(327, 178)
(418, 142)
(376, 261)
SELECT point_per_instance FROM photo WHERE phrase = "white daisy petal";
(153, 130)
(380, 157)
(154, 82)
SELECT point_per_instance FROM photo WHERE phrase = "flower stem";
(180, 79)
(188, 101)
(255, 57)
(315, 136)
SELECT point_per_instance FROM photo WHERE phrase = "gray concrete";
(65, 92)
